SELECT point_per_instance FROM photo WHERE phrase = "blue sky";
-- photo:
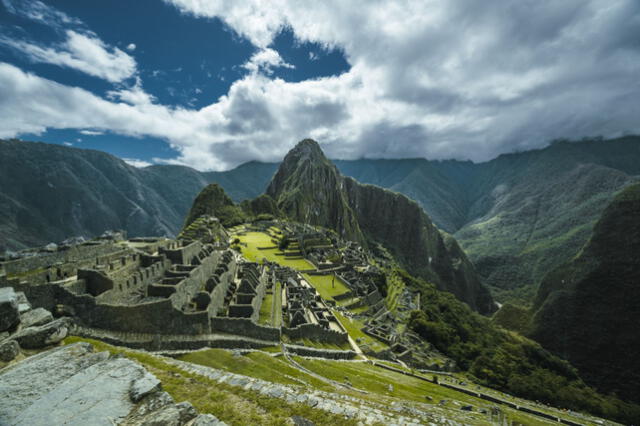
(212, 84)
(183, 61)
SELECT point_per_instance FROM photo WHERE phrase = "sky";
(213, 84)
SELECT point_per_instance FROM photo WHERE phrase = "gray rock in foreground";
(73, 385)
(9, 314)
(9, 349)
(43, 335)
(38, 316)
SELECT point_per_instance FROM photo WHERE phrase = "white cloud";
(91, 132)
(81, 51)
(40, 12)
(67, 143)
(265, 60)
(313, 56)
(432, 79)
(131, 47)
(137, 163)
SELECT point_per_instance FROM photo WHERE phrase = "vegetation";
(230, 404)
(504, 360)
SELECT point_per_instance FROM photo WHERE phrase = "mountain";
(308, 188)
(519, 215)
(587, 309)
(51, 192)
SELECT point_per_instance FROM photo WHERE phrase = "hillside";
(586, 310)
(308, 188)
(49, 193)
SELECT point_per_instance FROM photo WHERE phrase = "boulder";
(73, 385)
(23, 303)
(9, 314)
(9, 349)
(43, 335)
(207, 420)
(38, 316)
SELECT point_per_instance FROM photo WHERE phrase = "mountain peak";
(306, 149)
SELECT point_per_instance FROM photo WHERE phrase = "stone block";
(9, 313)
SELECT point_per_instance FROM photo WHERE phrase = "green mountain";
(519, 215)
(308, 188)
(587, 309)
(50, 192)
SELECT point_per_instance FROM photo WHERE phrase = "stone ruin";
(159, 293)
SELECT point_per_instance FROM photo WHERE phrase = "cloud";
(67, 143)
(131, 47)
(137, 163)
(91, 132)
(81, 51)
(455, 79)
(265, 60)
(40, 12)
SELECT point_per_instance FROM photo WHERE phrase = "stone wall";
(244, 327)
(188, 287)
(152, 317)
(320, 353)
(71, 254)
(317, 333)
(182, 255)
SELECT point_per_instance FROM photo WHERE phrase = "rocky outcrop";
(587, 310)
(74, 385)
(308, 188)
(43, 335)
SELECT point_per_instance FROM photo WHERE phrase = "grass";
(318, 345)
(326, 285)
(277, 306)
(265, 309)
(255, 364)
(230, 404)
(354, 328)
(253, 240)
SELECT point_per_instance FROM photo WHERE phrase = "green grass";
(326, 285)
(354, 328)
(230, 404)
(265, 310)
(255, 364)
(277, 306)
(253, 240)
(319, 345)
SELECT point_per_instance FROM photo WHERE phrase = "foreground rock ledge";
(74, 385)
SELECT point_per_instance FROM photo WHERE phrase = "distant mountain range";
(517, 216)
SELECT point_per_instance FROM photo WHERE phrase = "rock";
(51, 247)
(467, 408)
(38, 316)
(143, 386)
(171, 415)
(23, 303)
(9, 314)
(43, 335)
(301, 421)
(9, 349)
(73, 385)
(207, 420)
